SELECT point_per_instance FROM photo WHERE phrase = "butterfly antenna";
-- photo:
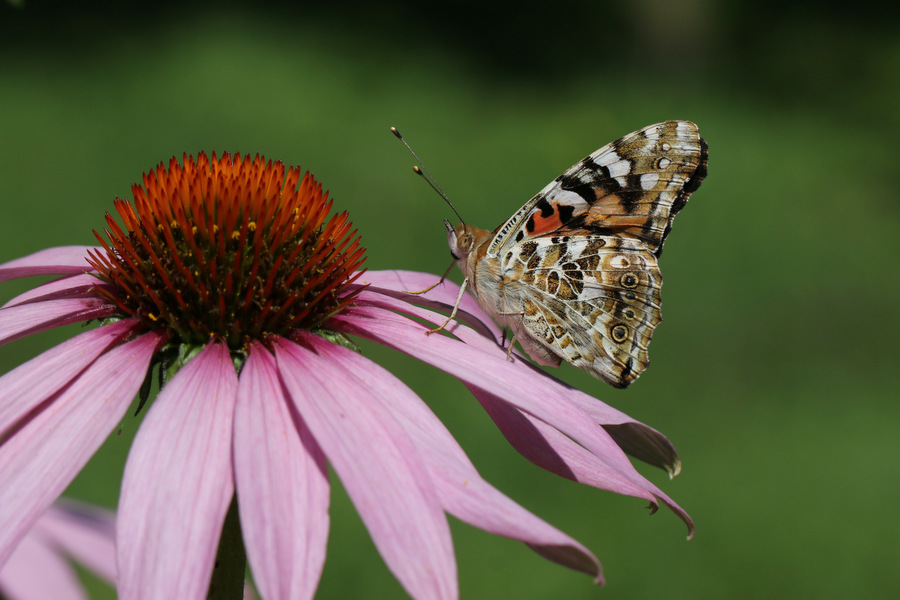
(425, 174)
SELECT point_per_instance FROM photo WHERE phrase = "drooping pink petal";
(282, 485)
(377, 463)
(548, 448)
(72, 286)
(636, 438)
(609, 469)
(178, 483)
(640, 441)
(37, 571)
(63, 260)
(552, 450)
(527, 390)
(25, 319)
(84, 532)
(460, 488)
(45, 451)
(29, 384)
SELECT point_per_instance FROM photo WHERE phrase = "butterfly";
(574, 273)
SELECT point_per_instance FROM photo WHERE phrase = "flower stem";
(231, 560)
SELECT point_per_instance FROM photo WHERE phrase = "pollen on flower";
(228, 247)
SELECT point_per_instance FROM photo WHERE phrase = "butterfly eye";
(464, 242)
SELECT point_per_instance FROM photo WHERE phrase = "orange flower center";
(230, 248)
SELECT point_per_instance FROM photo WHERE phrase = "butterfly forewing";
(633, 186)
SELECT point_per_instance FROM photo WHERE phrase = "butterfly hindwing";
(592, 300)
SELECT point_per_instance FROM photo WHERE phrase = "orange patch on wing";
(544, 225)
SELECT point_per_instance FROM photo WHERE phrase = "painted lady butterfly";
(574, 272)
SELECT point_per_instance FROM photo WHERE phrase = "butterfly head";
(460, 240)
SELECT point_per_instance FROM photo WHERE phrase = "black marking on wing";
(565, 212)
(546, 208)
(627, 370)
(529, 226)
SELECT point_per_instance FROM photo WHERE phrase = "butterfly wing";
(590, 299)
(632, 187)
(574, 272)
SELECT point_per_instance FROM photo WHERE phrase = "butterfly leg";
(515, 334)
(509, 349)
(462, 290)
(431, 287)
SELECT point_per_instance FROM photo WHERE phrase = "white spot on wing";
(619, 262)
(649, 180)
(569, 198)
(620, 168)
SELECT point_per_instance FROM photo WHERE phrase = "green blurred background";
(774, 369)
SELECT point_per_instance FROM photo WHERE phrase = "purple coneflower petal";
(25, 319)
(399, 283)
(547, 447)
(31, 383)
(37, 571)
(461, 490)
(376, 461)
(43, 453)
(282, 483)
(84, 532)
(178, 483)
(63, 260)
(639, 440)
(73, 286)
